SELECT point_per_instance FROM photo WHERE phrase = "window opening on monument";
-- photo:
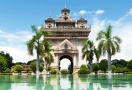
(65, 13)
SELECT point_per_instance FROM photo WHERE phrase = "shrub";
(18, 68)
(128, 72)
(126, 69)
(95, 67)
(49, 68)
(113, 68)
(41, 68)
(75, 72)
(83, 66)
(84, 71)
(53, 71)
(64, 71)
(7, 70)
(119, 70)
(57, 72)
(103, 65)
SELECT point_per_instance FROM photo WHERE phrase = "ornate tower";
(67, 38)
(50, 23)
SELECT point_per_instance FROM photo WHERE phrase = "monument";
(67, 36)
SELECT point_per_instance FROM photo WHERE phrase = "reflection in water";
(66, 82)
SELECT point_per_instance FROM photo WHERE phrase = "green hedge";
(84, 71)
(53, 71)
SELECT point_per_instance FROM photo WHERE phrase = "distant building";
(26, 67)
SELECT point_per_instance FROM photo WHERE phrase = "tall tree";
(108, 44)
(88, 51)
(9, 58)
(36, 43)
(3, 64)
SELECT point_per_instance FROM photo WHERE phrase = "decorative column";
(75, 63)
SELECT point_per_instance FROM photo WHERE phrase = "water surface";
(66, 82)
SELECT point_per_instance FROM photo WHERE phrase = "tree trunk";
(109, 62)
(97, 61)
(37, 64)
(91, 69)
(37, 68)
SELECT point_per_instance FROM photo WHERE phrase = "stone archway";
(70, 59)
(67, 50)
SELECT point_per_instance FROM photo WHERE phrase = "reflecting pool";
(66, 82)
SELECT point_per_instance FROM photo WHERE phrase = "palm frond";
(30, 47)
(108, 32)
(117, 39)
(100, 35)
(34, 29)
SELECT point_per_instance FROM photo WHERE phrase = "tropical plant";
(36, 43)
(88, 52)
(47, 54)
(108, 44)
(97, 54)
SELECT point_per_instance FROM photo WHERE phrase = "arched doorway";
(70, 59)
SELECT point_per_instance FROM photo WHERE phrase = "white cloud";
(124, 32)
(15, 45)
(18, 54)
(96, 26)
(99, 12)
(130, 12)
(82, 12)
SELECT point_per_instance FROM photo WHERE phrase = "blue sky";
(17, 16)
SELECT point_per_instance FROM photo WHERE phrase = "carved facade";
(67, 35)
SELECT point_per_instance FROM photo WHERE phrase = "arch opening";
(66, 62)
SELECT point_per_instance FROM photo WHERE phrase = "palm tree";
(108, 44)
(48, 57)
(88, 51)
(36, 43)
(97, 54)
